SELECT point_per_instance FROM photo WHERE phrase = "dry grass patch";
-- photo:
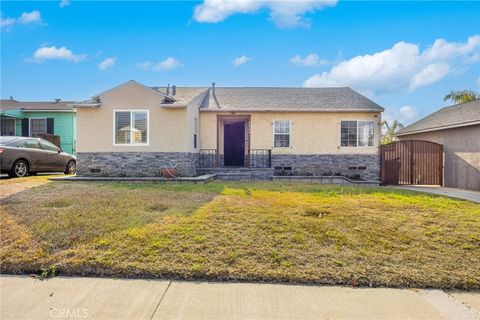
(252, 231)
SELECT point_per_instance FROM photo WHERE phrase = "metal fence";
(256, 158)
(412, 162)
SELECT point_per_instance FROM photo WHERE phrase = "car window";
(7, 140)
(48, 146)
(31, 144)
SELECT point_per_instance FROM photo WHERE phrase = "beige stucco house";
(457, 128)
(133, 130)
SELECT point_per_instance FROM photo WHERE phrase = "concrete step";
(241, 173)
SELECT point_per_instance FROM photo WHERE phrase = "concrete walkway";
(23, 297)
(448, 192)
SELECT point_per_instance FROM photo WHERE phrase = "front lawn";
(263, 231)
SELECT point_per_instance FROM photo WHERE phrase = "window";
(48, 146)
(281, 133)
(37, 126)
(7, 126)
(365, 133)
(357, 133)
(195, 132)
(131, 127)
(31, 144)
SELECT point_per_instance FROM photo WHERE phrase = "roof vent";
(57, 100)
(213, 88)
(168, 88)
(174, 90)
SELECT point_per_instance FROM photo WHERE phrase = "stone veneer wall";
(330, 164)
(135, 164)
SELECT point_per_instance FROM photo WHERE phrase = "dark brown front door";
(234, 144)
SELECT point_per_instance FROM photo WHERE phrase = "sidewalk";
(23, 297)
(443, 191)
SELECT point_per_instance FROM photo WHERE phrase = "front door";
(234, 144)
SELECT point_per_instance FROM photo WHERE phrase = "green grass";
(245, 231)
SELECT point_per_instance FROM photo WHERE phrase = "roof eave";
(173, 106)
(453, 126)
(291, 110)
(86, 105)
(46, 110)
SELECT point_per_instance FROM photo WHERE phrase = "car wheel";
(71, 167)
(19, 169)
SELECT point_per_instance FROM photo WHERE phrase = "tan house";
(136, 130)
(457, 128)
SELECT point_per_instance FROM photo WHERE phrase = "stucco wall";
(168, 128)
(311, 132)
(462, 155)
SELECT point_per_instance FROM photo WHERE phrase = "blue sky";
(404, 55)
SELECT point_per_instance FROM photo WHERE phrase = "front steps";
(238, 173)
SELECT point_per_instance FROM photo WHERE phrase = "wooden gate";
(412, 162)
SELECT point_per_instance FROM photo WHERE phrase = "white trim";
(452, 126)
(131, 124)
(289, 134)
(30, 125)
(357, 146)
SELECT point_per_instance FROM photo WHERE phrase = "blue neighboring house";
(31, 118)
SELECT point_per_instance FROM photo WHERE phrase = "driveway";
(15, 185)
(23, 297)
(449, 192)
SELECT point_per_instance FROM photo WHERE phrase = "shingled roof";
(287, 99)
(458, 115)
(183, 95)
(11, 104)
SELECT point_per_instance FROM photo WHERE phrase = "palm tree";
(462, 96)
(391, 129)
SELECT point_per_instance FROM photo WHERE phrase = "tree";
(391, 129)
(462, 96)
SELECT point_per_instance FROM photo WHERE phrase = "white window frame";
(30, 125)
(357, 146)
(14, 124)
(131, 123)
(289, 133)
(195, 125)
(195, 133)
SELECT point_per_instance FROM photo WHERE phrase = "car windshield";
(8, 140)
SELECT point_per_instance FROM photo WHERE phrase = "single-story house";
(134, 129)
(33, 118)
(457, 128)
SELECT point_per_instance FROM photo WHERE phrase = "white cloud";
(107, 63)
(25, 18)
(310, 60)
(402, 67)
(284, 13)
(430, 74)
(167, 64)
(64, 3)
(240, 60)
(405, 115)
(30, 17)
(6, 23)
(53, 53)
